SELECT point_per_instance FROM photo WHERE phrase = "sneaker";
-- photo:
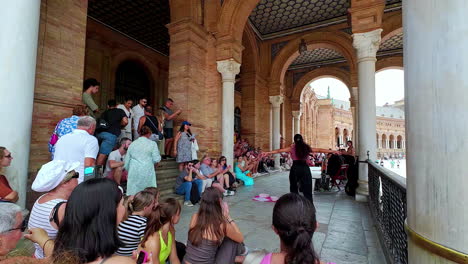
(231, 193)
(188, 203)
(225, 193)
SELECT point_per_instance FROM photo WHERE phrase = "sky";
(389, 87)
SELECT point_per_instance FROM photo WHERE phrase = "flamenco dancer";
(300, 178)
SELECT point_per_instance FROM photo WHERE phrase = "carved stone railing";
(387, 202)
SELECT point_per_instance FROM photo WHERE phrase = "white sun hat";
(52, 174)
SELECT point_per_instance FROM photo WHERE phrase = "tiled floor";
(346, 234)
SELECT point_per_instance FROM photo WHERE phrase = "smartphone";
(88, 173)
(142, 257)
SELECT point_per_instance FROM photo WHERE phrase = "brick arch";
(233, 17)
(250, 44)
(334, 72)
(392, 23)
(338, 41)
(394, 62)
(130, 55)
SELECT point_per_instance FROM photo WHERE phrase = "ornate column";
(379, 141)
(296, 122)
(18, 49)
(387, 143)
(228, 69)
(276, 102)
(366, 45)
(436, 70)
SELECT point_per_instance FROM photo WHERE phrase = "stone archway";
(338, 41)
(313, 75)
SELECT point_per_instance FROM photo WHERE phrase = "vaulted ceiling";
(142, 20)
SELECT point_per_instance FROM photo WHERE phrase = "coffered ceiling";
(317, 56)
(393, 43)
(142, 20)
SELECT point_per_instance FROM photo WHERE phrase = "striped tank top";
(130, 233)
(40, 216)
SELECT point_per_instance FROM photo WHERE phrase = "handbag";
(53, 139)
(158, 135)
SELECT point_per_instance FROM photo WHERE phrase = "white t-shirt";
(77, 146)
(115, 156)
(130, 115)
(138, 112)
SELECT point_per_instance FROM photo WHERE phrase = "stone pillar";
(366, 45)
(296, 122)
(436, 70)
(18, 49)
(355, 111)
(276, 102)
(228, 69)
(387, 143)
(379, 141)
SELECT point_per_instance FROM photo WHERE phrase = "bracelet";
(45, 243)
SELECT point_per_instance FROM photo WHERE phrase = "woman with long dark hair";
(88, 231)
(213, 235)
(294, 221)
(300, 178)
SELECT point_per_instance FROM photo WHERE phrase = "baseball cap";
(186, 123)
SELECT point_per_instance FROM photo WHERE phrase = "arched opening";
(392, 141)
(399, 142)
(345, 136)
(131, 81)
(389, 86)
(384, 141)
(337, 137)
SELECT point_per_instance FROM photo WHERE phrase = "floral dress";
(184, 148)
(139, 162)
(65, 126)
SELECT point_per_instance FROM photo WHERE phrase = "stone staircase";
(165, 177)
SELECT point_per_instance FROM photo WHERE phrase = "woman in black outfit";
(300, 178)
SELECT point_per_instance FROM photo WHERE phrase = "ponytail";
(295, 222)
(301, 148)
(139, 201)
(302, 250)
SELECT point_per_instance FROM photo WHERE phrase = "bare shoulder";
(120, 260)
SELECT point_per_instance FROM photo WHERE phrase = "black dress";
(300, 178)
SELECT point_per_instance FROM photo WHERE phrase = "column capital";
(296, 114)
(367, 44)
(228, 69)
(276, 100)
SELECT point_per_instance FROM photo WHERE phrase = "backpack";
(102, 124)
(194, 194)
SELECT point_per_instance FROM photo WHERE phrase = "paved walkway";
(345, 236)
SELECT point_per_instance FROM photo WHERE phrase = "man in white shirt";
(79, 145)
(138, 112)
(126, 131)
(115, 162)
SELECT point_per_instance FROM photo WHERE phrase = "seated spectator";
(58, 179)
(159, 239)
(115, 163)
(241, 172)
(213, 235)
(294, 221)
(7, 194)
(230, 184)
(79, 145)
(12, 225)
(66, 126)
(184, 182)
(211, 174)
(116, 119)
(88, 233)
(132, 229)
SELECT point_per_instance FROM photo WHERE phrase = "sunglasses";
(8, 156)
(23, 226)
(71, 175)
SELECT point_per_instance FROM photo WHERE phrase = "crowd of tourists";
(83, 218)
